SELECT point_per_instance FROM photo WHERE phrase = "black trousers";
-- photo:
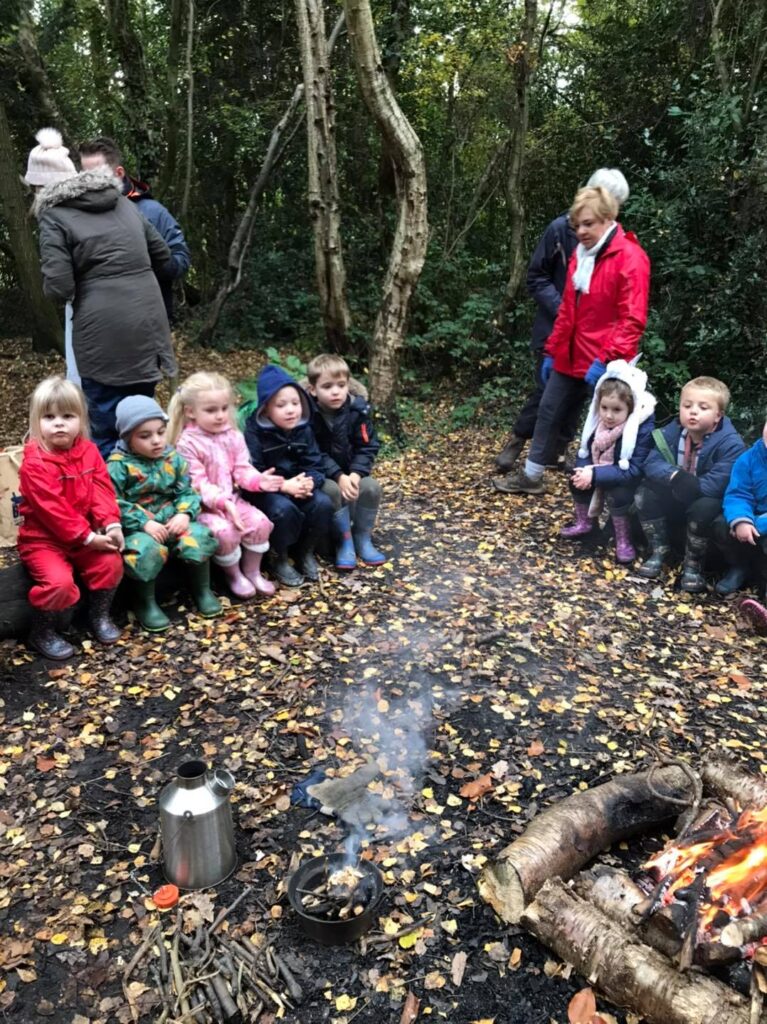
(655, 501)
(747, 556)
(563, 399)
(619, 499)
(524, 425)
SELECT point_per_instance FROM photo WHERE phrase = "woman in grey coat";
(99, 252)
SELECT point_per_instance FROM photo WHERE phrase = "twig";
(294, 989)
(140, 953)
(178, 981)
(223, 914)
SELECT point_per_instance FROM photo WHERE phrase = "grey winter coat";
(98, 251)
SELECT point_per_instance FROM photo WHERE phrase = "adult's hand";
(594, 372)
(546, 367)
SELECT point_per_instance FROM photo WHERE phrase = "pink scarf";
(603, 444)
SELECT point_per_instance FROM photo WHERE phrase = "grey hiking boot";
(518, 483)
(508, 457)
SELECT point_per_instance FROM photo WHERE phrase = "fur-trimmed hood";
(89, 190)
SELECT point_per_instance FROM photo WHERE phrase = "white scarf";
(586, 258)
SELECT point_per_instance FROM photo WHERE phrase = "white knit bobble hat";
(49, 161)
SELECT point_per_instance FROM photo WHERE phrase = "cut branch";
(730, 782)
(565, 837)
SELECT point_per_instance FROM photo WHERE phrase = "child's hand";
(105, 542)
(231, 510)
(157, 531)
(270, 482)
(178, 525)
(300, 486)
(118, 537)
(746, 533)
(349, 486)
(583, 478)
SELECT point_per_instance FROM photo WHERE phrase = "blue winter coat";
(348, 443)
(745, 499)
(288, 452)
(718, 452)
(614, 476)
(547, 274)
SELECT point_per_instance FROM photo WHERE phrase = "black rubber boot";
(306, 561)
(508, 457)
(693, 581)
(282, 569)
(735, 579)
(44, 639)
(102, 627)
(656, 532)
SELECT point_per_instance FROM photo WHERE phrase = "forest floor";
(490, 650)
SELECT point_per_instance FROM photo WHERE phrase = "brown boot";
(508, 457)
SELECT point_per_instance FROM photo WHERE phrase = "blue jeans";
(296, 520)
(102, 402)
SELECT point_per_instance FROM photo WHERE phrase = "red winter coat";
(65, 495)
(606, 322)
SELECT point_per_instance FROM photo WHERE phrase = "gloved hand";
(685, 487)
(594, 372)
(350, 799)
(546, 367)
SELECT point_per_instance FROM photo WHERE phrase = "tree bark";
(168, 175)
(629, 973)
(726, 780)
(566, 836)
(411, 234)
(137, 86)
(522, 61)
(37, 77)
(189, 110)
(46, 328)
(324, 208)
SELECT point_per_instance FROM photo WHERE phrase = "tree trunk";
(566, 836)
(137, 86)
(324, 208)
(46, 328)
(37, 77)
(189, 163)
(729, 781)
(168, 175)
(521, 59)
(411, 234)
(629, 973)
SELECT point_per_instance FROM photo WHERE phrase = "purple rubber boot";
(755, 613)
(583, 524)
(625, 551)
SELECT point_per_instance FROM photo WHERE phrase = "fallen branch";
(728, 781)
(566, 836)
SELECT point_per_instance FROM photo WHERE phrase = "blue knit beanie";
(131, 412)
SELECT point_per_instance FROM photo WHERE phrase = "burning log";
(730, 782)
(749, 929)
(629, 972)
(561, 840)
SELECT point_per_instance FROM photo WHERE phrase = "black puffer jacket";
(347, 440)
(98, 251)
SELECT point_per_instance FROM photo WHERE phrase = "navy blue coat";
(717, 455)
(547, 274)
(350, 445)
(614, 476)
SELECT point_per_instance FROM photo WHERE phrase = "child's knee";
(144, 557)
(370, 492)
(197, 545)
(333, 491)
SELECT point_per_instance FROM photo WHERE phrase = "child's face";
(211, 411)
(699, 411)
(331, 390)
(284, 408)
(148, 439)
(613, 411)
(59, 430)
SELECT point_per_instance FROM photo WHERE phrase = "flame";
(733, 863)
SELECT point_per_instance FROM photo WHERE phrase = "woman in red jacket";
(71, 519)
(601, 318)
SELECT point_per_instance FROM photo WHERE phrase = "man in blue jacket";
(546, 278)
(103, 152)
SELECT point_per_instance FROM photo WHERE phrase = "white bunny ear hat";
(644, 406)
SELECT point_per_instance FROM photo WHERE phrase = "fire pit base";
(313, 873)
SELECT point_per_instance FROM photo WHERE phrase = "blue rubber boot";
(346, 556)
(364, 521)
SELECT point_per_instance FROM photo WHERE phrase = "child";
(347, 439)
(279, 436)
(743, 527)
(158, 508)
(202, 427)
(71, 519)
(686, 474)
(616, 439)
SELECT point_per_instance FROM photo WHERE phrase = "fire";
(732, 860)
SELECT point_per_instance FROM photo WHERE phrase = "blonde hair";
(189, 394)
(55, 394)
(327, 363)
(716, 387)
(619, 388)
(603, 203)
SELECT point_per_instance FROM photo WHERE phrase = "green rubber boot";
(146, 609)
(208, 605)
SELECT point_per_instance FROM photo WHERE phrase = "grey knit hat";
(49, 161)
(131, 412)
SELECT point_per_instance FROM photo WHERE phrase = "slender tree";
(411, 233)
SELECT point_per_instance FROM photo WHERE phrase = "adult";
(104, 152)
(602, 317)
(546, 277)
(99, 252)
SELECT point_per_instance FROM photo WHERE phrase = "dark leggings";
(524, 425)
(619, 499)
(296, 520)
(655, 501)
